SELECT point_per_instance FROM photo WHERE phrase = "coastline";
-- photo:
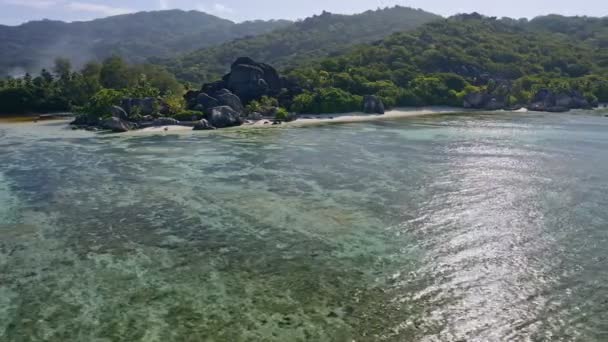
(305, 120)
(320, 119)
(26, 118)
(397, 113)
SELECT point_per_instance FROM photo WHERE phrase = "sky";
(14, 12)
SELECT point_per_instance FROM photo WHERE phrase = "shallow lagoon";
(451, 227)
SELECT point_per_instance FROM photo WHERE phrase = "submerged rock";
(373, 105)
(482, 100)
(547, 101)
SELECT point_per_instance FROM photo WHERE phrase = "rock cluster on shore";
(544, 100)
(219, 104)
(373, 105)
(248, 80)
(229, 102)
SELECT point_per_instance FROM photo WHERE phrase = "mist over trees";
(135, 37)
(65, 89)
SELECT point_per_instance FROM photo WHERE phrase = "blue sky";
(17, 11)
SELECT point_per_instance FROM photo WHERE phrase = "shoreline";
(26, 118)
(318, 119)
(304, 120)
(397, 113)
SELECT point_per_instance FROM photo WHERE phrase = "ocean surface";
(451, 227)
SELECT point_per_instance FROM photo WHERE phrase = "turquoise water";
(461, 227)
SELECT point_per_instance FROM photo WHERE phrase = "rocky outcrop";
(547, 101)
(480, 100)
(250, 80)
(372, 105)
(86, 120)
(227, 98)
(204, 102)
(119, 113)
(224, 116)
(144, 106)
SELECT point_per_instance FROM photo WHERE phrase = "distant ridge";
(314, 37)
(136, 37)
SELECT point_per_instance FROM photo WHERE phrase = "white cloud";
(37, 4)
(97, 8)
(219, 8)
(216, 8)
(163, 4)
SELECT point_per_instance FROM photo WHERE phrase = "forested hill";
(441, 62)
(314, 37)
(588, 29)
(135, 37)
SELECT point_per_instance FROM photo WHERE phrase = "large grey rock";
(224, 116)
(214, 87)
(116, 125)
(119, 113)
(203, 125)
(144, 106)
(547, 101)
(482, 100)
(86, 120)
(372, 105)
(475, 100)
(495, 103)
(579, 101)
(250, 80)
(564, 100)
(226, 98)
(206, 101)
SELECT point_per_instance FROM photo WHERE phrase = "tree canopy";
(297, 44)
(444, 60)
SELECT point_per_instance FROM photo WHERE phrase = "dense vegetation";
(442, 61)
(91, 89)
(593, 31)
(315, 37)
(135, 37)
(438, 63)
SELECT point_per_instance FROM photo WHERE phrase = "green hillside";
(314, 37)
(135, 37)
